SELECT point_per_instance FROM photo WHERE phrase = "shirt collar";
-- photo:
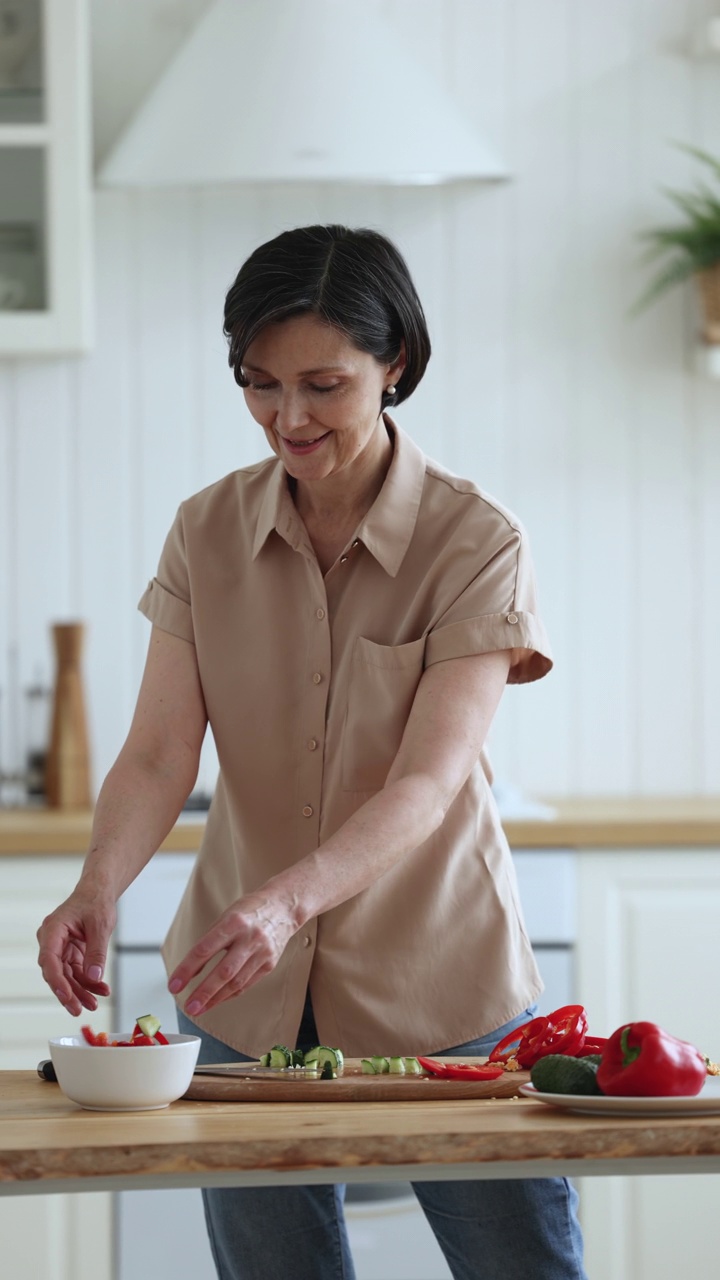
(389, 525)
(278, 511)
(387, 528)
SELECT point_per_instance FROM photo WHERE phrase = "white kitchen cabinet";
(647, 946)
(45, 178)
(58, 1237)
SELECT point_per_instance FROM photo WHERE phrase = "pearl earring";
(391, 390)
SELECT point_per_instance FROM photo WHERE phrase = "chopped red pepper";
(89, 1035)
(640, 1060)
(473, 1071)
(433, 1066)
(161, 1039)
(565, 1033)
(142, 1040)
(460, 1070)
(562, 1031)
(508, 1046)
(592, 1047)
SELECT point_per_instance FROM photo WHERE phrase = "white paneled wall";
(591, 425)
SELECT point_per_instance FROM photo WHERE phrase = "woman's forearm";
(138, 805)
(391, 824)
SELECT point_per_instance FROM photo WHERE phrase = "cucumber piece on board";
(323, 1054)
(279, 1056)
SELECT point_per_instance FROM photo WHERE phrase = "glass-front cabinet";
(45, 178)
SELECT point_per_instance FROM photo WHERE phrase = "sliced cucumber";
(396, 1066)
(298, 1058)
(279, 1056)
(148, 1024)
(412, 1067)
(381, 1065)
(367, 1067)
(323, 1054)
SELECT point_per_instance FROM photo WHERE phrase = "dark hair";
(354, 280)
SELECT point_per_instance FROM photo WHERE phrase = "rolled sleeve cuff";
(522, 632)
(166, 611)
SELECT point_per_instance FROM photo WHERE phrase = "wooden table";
(48, 1144)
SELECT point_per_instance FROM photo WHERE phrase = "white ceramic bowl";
(141, 1078)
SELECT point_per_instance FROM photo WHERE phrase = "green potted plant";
(691, 248)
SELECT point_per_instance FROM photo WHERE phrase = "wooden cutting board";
(351, 1086)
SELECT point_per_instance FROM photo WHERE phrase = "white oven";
(389, 1235)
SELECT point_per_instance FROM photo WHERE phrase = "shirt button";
(320, 614)
(512, 617)
(343, 559)
(307, 942)
(307, 811)
(312, 744)
(317, 678)
(356, 543)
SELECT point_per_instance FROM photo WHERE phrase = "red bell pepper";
(460, 1070)
(89, 1035)
(640, 1060)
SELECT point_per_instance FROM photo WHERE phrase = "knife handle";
(46, 1070)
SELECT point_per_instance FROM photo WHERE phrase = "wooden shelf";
(600, 822)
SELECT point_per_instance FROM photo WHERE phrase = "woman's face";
(316, 396)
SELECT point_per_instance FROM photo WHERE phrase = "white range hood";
(296, 91)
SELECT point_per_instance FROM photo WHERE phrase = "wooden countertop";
(580, 822)
(48, 1143)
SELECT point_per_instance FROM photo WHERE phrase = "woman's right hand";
(73, 948)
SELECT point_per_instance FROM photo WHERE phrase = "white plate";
(707, 1102)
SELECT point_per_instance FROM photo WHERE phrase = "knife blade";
(269, 1073)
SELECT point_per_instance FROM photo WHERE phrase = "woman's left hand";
(249, 938)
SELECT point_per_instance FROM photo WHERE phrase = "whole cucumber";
(558, 1073)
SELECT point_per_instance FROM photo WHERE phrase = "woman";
(345, 616)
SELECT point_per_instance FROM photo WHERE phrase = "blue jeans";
(505, 1229)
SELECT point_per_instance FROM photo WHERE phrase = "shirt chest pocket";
(382, 686)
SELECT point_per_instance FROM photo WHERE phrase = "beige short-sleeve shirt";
(308, 682)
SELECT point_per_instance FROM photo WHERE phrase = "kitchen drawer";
(20, 975)
(58, 1237)
(547, 880)
(26, 1027)
(30, 888)
(148, 906)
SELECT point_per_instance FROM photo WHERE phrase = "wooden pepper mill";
(67, 774)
